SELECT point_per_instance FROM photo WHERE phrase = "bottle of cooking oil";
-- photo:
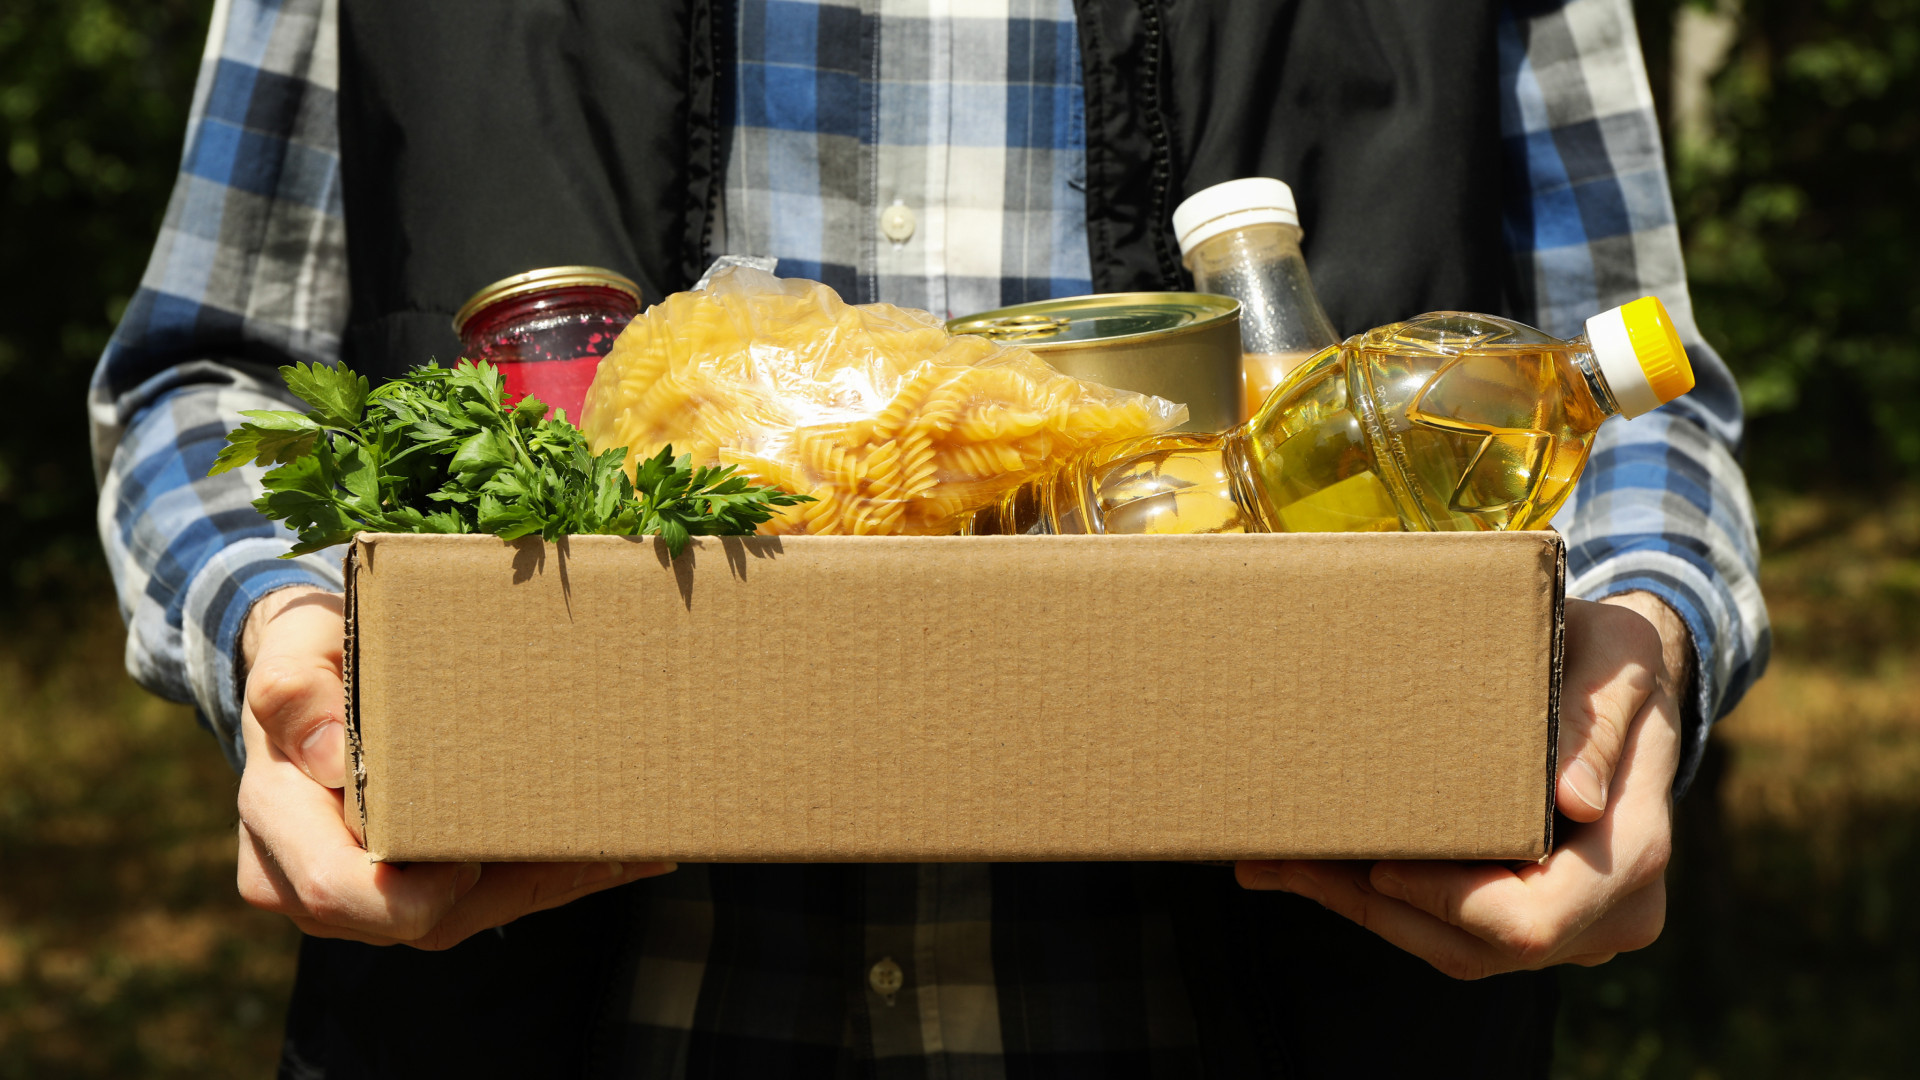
(1242, 239)
(1448, 422)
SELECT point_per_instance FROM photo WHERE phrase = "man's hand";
(1602, 891)
(297, 856)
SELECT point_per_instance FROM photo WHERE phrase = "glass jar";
(546, 330)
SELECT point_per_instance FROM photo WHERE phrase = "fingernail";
(1586, 784)
(324, 754)
(464, 881)
(1388, 882)
(1303, 885)
(650, 869)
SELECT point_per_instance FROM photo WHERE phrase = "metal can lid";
(1106, 318)
(533, 281)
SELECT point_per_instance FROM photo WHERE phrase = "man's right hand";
(297, 856)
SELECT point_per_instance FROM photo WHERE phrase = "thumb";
(294, 642)
(1613, 664)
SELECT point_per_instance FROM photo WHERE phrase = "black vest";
(481, 138)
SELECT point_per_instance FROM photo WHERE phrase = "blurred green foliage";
(1801, 214)
(93, 104)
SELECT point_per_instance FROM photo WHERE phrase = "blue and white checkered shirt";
(915, 153)
(932, 161)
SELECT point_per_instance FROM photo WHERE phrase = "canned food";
(1184, 347)
(546, 330)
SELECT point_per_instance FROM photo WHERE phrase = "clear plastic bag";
(893, 425)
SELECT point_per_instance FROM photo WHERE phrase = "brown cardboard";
(963, 699)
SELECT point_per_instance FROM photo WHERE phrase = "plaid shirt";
(974, 126)
(962, 131)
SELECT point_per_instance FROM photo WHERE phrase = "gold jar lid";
(1103, 319)
(533, 281)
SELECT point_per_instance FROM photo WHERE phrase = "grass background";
(124, 950)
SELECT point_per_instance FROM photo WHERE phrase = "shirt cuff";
(217, 603)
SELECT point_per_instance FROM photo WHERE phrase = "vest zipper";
(696, 237)
(1162, 143)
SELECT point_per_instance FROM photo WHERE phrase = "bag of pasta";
(893, 425)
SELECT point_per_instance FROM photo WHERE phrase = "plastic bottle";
(1242, 239)
(1447, 422)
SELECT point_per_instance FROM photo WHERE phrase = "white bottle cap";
(1235, 204)
(1640, 355)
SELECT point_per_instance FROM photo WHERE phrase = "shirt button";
(898, 222)
(886, 978)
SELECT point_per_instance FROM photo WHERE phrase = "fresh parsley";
(440, 450)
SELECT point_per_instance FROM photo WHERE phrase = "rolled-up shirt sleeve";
(249, 273)
(1662, 506)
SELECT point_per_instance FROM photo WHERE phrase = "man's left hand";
(1600, 892)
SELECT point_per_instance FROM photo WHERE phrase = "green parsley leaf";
(441, 450)
(272, 438)
(338, 396)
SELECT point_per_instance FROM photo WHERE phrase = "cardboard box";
(959, 699)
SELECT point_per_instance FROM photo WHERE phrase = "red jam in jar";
(546, 330)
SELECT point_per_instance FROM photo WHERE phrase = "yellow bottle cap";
(1640, 355)
(1657, 346)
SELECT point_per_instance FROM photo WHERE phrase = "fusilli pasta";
(892, 424)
